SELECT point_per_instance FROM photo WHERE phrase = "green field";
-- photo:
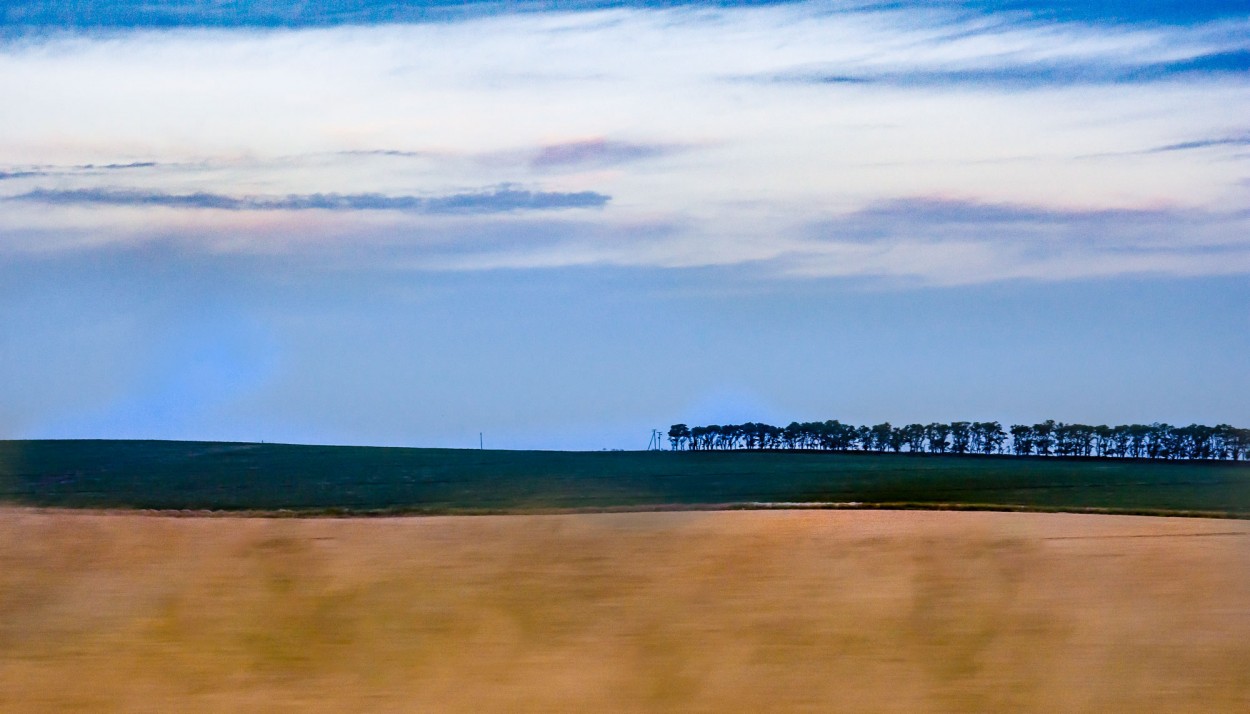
(271, 477)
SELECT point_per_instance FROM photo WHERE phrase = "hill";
(270, 477)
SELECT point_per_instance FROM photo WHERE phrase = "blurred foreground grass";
(747, 611)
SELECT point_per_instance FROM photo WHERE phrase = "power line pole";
(657, 441)
(481, 444)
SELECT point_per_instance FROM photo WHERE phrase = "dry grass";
(702, 612)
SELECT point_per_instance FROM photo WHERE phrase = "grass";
(170, 475)
(867, 611)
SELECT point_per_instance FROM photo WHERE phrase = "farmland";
(170, 475)
(816, 611)
(874, 610)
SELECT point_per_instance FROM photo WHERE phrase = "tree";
(988, 437)
(1165, 441)
(897, 440)
(698, 438)
(1044, 437)
(792, 435)
(1153, 441)
(1023, 440)
(937, 433)
(879, 436)
(914, 435)
(961, 437)
(1138, 436)
(677, 435)
(1104, 445)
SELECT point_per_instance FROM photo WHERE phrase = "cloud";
(964, 211)
(1040, 227)
(1236, 61)
(378, 128)
(582, 153)
(37, 14)
(1031, 75)
(4, 175)
(208, 13)
(595, 152)
(1243, 140)
(921, 240)
(116, 167)
(1176, 12)
(77, 168)
(400, 153)
(498, 200)
(937, 241)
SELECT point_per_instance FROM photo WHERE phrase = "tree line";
(1049, 438)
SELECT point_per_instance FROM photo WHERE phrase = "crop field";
(732, 611)
(227, 476)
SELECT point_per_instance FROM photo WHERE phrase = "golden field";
(741, 611)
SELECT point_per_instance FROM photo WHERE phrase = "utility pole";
(657, 441)
(481, 445)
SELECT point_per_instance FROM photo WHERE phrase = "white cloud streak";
(671, 113)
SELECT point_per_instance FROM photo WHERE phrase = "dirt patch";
(632, 612)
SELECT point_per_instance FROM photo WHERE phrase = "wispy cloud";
(1235, 61)
(32, 172)
(34, 14)
(1243, 140)
(21, 174)
(596, 152)
(115, 167)
(399, 153)
(362, 133)
(498, 200)
(574, 154)
(1105, 11)
(1029, 75)
(937, 211)
(939, 241)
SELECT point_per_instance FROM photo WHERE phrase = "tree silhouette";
(1048, 438)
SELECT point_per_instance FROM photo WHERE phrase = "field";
(222, 476)
(742, 611)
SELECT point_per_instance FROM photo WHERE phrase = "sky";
(563, 224)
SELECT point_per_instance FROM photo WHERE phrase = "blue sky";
(564, 224)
